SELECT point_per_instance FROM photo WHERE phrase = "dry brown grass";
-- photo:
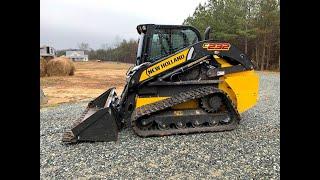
(43, 67)
(60, 66)
(90, 80)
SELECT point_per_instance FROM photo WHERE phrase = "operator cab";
(159, 41)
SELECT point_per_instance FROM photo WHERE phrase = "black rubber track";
(196, 93)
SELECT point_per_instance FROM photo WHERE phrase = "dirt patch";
(90, 80)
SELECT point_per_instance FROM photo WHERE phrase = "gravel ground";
(252, 151)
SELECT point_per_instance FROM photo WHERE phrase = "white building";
(77, 55)
(47, 52)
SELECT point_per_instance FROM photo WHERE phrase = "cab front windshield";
(165, 42)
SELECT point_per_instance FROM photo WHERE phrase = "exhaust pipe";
(99, 122)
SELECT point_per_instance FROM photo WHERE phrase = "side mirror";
(207, 33)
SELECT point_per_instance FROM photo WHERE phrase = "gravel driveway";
(252, 151)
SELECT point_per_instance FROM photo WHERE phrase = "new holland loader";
(180, 84)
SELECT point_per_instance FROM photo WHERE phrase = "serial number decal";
(216, 46)
(164, 65)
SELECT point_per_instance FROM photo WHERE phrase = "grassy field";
(90, 80)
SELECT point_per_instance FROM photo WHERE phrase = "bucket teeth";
(68, 137)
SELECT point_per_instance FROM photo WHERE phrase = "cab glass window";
(165, 42)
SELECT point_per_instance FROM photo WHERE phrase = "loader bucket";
(99, 122)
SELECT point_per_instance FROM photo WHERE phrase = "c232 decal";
(216, 46)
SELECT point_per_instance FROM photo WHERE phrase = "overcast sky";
(66, 23)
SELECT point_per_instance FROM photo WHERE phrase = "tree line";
(124, 52)
(251, 25)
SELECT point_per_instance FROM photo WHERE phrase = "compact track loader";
(181, 84)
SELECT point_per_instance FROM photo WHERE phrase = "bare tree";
(117, 41)
(105, 46)
(83, 46)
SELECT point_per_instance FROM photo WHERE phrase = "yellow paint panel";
(227, 89)
(164, 65)
(144, 101)
(222, 62)
(186, 105)
(245, 86)
(193, 104)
